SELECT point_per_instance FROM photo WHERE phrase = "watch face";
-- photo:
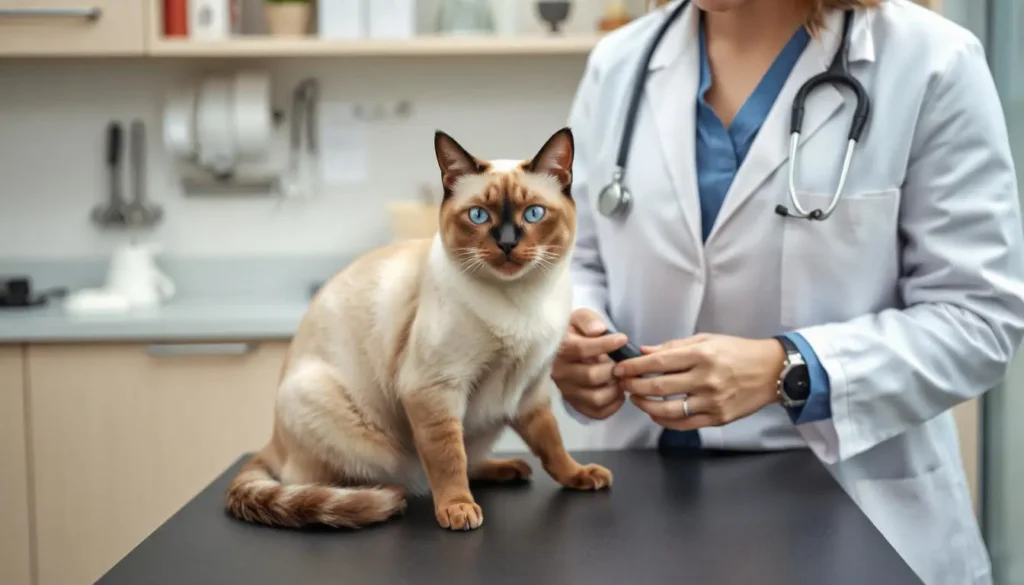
(797, 383)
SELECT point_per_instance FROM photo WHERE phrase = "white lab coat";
(912, 293)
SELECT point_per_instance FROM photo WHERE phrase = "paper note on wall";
(344, 145)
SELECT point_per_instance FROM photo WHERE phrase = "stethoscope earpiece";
(815, 214)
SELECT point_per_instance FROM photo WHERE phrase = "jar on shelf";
(616, 14)
(465, 17)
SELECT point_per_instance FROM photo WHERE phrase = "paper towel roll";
(224, 121)
(215, 132)
(253, 117)
(179, 123)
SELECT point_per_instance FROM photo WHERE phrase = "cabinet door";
(73, 27)
(14, 515)
(125, 434)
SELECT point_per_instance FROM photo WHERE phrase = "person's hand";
(582, 369)
(723, 379)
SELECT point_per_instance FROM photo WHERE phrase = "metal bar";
(92, 13)
(190, 349)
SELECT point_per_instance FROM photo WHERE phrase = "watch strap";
(792, 351)
(794, 359)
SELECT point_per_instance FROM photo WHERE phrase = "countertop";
(216, 299)
(777, 518)
(199, 319)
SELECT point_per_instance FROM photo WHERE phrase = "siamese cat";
(411, 362)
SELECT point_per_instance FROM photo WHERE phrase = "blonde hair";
(819, 8)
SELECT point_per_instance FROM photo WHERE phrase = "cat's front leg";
(436, 419)
(538, 428)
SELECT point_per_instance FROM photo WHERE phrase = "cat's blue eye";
(533, 213)
(478, 215)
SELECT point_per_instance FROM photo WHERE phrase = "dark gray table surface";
(776, 518)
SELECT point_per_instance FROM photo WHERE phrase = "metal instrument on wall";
(118, 212)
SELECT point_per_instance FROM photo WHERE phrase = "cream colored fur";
(500, 336)
(411, 362)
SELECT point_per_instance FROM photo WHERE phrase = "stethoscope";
(615, 200)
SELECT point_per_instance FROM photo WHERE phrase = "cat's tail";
(256, 496)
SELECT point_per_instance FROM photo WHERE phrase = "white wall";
(52, 157)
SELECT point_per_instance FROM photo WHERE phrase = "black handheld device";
(625, 352)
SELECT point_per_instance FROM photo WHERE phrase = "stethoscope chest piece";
(614, 201)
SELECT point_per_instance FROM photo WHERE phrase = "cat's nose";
(507, 238)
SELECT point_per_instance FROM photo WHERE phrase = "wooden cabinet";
(15, 562)
(77, 28)
(968, 423)
(125, 434)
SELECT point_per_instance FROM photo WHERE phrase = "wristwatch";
(794, 384)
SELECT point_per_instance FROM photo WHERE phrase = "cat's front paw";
(588, 477)
(459, 515)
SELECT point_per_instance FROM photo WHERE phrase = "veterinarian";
(842, 296)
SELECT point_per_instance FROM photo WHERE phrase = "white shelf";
(424, 46)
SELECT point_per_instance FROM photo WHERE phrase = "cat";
(412, 361)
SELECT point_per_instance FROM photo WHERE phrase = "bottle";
(175, 18)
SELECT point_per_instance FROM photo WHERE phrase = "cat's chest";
(505, 375)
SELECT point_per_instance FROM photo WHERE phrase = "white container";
(342, 19)
(391, 19)
(211, 19)
(507, 16)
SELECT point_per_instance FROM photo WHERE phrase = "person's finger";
(679, 359)
(609, 409)
(576, 347)
(592, 399)
(588, 322)
(673, 409)
(676, 343)
(688, 382)
(583, 374)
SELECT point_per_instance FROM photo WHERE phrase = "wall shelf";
(424, 46)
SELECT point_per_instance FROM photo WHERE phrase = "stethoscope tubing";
(615, 199)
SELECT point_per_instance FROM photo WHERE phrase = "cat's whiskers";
(543, 258)
(470, 259)
(477, 265)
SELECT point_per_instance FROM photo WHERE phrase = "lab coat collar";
(679, 37)
(684, 32)
(672, 94)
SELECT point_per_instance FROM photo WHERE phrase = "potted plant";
(287, 17)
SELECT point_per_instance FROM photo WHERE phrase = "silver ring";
(686, 407)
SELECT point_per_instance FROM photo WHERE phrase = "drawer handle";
(186, 349)
(93, 13)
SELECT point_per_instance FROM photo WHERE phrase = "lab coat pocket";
(843, 266)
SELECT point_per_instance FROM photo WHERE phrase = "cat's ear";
(454, 161)
(555, 158)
